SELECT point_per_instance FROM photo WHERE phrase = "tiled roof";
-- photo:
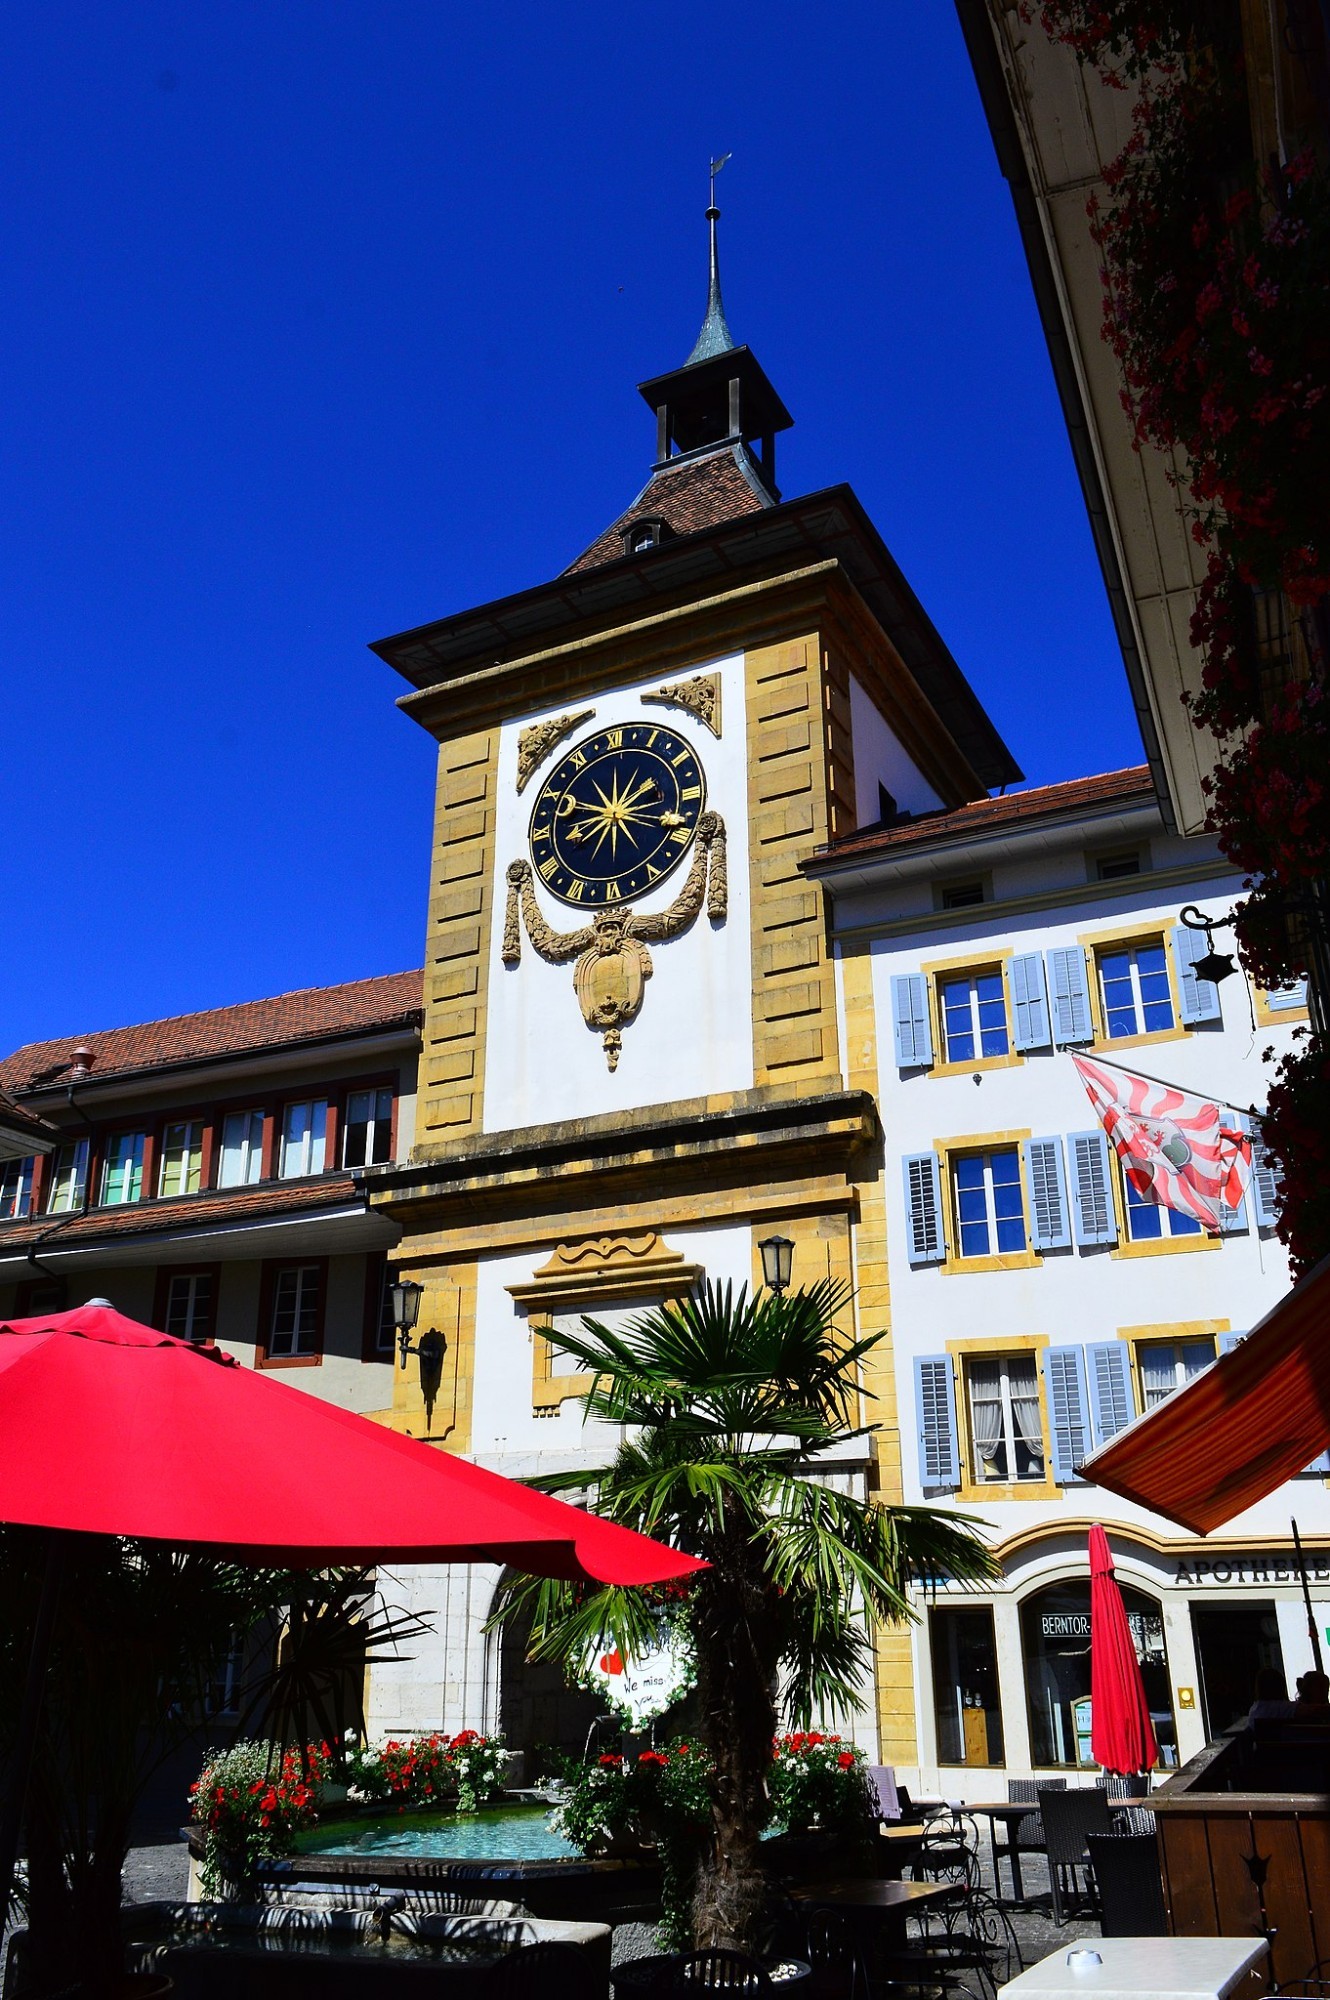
(314, 1014)
(699, 494)
(1131, 787)
(25, 1124)
(191, 1211)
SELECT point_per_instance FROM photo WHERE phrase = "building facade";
(727, 936)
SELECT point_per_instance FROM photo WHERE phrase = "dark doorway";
(1233, 1641)
(539, 1713)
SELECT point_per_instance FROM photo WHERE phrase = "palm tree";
(727, 1401)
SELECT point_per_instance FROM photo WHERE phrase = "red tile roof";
(1131, 787)
(314, 1014)
(191, 1211)
(24, 1124)
(699, 494)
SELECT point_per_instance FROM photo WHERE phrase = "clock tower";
(639, 1056)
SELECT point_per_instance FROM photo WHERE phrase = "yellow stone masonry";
(457, 942)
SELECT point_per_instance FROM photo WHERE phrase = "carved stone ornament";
(613, 963)
(534, 744)
(586, 1277)
(700, 696)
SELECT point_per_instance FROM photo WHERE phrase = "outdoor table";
(1152, 1968)
(901, 1843)
(887, 1903)
(1010, 1814)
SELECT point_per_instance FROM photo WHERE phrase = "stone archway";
(540, 1716)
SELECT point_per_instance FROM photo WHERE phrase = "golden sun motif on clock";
(617, 814)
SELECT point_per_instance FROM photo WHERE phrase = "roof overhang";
(1055, 127)
(1255, 1418)
(472, 667)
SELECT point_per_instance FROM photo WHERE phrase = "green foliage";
(662, 1798)
(249, 1803)
(821, 1782)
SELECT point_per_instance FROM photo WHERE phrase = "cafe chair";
(721, 1972)
(543, 1971)
(948, 1852)
(650, 1978)
(1068, 1818)
(830, 1943)
(1313, 1985)
(1131, 1889)
(1028, 1836)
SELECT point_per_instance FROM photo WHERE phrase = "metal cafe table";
(1007, 1813)
(886, 1904)
(1151, 1968)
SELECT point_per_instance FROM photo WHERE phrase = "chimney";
(81, 1061)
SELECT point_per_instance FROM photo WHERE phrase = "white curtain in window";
(1024, 1386)
(1158, 1374)
(985, 1378)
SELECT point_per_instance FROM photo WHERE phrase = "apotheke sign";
(1267, 1569)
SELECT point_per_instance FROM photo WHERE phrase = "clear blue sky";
(324, 320)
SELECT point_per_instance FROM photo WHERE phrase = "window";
(1006, 1435)
(69, 1178)
(1166, 1365)
(1136, 993)
(224, 1683)
(1149, 1220)
(189, 1305)
(369, 1128)
(1114, 867)
(241, 1161)
(15, 1189)
(122, 1174)
(973, 1012)
(182, 1158)
(966, 1706)
(1055, 1638)
(304, 1138)
(380, 1331)
(295, 1312)
(990, 1214)
(961, 895)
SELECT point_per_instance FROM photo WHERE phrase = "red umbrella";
(108, 1427)
(1121, 1736)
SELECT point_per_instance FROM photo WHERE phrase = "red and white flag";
(1177, 1149)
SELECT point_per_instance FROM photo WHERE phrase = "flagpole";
(1307, 1600)
(1244, 1110)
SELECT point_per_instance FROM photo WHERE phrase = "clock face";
(617, 814)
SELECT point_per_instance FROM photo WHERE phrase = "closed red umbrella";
(1121, 1736)
(108, 1427)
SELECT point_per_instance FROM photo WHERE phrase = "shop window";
(966, 1708)
(240, 1161)
(1134, 986)
(1166, 1365)
(990, 1211)
(1055, 1638)
(368, 1140)
(15, 1188)
(69, 1178)
(189, 1305)
(1006, 1435)
(182, 1158)
(973, 1015)
(304, 1139)
(122, 1174)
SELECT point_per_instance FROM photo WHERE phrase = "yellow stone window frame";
(1174, 1331)
(1156, 1246)
(971, 1488)
(972, 966)
(948, 1151)
(1092, 942)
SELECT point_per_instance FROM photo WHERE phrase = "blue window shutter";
(924, 1240)
(935, 1401)
(1263, 1188)
(1068, 1419)
(1092, 1210)
(909, 1011)
(1029, 1002)
(1112, 1404)
(1199, 997)
(1278, 998)
(1050, 1224)
(1070, 989)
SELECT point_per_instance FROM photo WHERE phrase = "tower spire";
(715, 337)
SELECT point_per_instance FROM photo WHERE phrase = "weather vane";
(716, 166)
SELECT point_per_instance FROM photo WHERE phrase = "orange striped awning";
(1254, 1418)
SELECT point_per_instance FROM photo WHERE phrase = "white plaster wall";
(694, 1035)
(880, 759)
